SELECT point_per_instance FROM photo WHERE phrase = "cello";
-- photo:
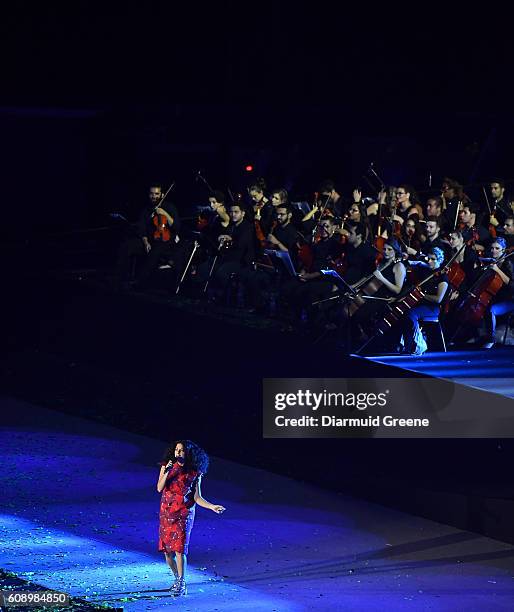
(368, 286)
(479, 297)
(399, 308)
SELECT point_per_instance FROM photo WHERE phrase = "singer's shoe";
(179, 588)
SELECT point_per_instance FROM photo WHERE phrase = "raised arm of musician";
(223, 215)
(505, 278)
(146, 243)
(311, 213)
(399, 278)
(274, 240)
(169, 218)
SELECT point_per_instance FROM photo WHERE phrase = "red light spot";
(249, 168)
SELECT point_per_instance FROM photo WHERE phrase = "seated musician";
(311, 285)
(467, 257)
(472, 230)
(414, 342)
(452, 195)
(263, 210)
(503, 301)
(218, 222)
(406, 198)
(149, 235)
(434, 238)
(410, 236)
(329, 204)
(282, 237)
(360, 255)
(391, 274)
(237, 247)
(279, 196)
(159, 227)
(508, 231)
(500, 205)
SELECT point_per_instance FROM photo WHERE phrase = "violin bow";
(164, 196)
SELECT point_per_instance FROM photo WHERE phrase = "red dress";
(177, 512)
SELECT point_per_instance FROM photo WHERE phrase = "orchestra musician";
(472, 230)
(435, 291)
(500, 209)
(508, 231)
(310, 285)
(390, 274)
(237, 247)
(282, 237)
(159, 226)
(503, 301)
(433, 237)
(263, 211)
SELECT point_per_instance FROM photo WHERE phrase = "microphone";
(170, 467)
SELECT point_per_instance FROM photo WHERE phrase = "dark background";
(97, 101)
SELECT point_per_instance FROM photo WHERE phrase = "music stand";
(281, 261)
(346, 294)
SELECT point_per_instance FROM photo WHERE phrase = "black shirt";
(288, 236)
(242, 249)
(324, 252)
(360, 261)
(440, 244)
(431, 286)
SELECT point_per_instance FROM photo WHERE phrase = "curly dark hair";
(196, 458)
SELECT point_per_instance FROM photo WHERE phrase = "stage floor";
(491, 370)
(80, 514)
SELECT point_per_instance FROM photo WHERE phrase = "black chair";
(434, 321)
(508, 326)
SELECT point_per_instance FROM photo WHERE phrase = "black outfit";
(360, 262)
(440, 244)
(413, 339)
(502, 210)
(372, 308)
(477, 233)
(301, 294)
(133, 250)
(450, 214)
(162, 251)
(503, 302)
(268, 215)
(260, 280)
(237, 257)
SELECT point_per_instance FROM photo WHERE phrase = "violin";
(258, 206)
(161, 224)
(267, 244)
(161, 228)
(259, 233)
